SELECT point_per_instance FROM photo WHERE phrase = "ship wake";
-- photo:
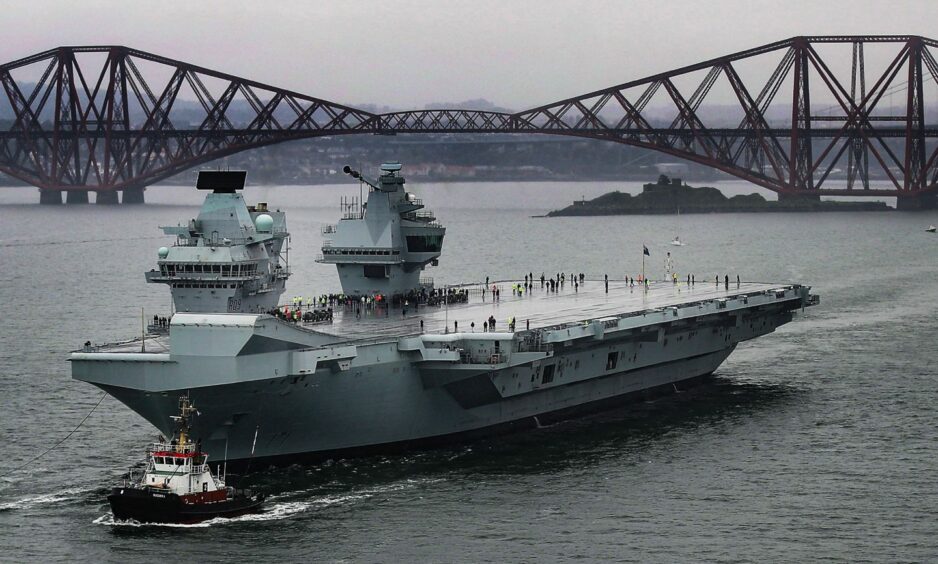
(66, 495)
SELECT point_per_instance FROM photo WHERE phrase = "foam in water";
(55, 497)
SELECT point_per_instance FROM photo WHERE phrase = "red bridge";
(800, 117)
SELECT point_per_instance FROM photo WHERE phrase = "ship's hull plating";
(298, 442)
(383, 409)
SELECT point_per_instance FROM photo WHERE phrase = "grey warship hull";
(275, 391)
(398, 363)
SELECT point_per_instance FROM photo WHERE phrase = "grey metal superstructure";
(383, 246)
(372, 380)
(231, 258)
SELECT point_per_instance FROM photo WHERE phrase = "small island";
(668, 196)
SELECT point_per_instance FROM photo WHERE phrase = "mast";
(186, 409)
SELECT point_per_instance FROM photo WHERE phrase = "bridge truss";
(803, 117)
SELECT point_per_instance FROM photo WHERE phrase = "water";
(819, 442)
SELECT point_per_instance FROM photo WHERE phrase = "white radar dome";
(264, 223)
(163, 252)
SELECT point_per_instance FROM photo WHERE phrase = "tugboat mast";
(186, 409)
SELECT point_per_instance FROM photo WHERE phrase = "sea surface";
(816, 443)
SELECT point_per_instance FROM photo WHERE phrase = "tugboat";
(177, 485)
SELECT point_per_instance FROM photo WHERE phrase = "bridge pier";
(76, 196)
(133, 195)
(106, 197)
(50, 197)
(927, 201)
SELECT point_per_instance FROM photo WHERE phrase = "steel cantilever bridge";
(112, 118)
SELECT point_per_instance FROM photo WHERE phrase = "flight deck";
(539, 307)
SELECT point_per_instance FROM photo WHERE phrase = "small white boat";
(677, 242)
(931, 229)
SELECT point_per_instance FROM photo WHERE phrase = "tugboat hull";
(148, 506)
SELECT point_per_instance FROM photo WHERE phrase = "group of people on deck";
(320, 308)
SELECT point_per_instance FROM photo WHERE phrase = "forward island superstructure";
(391, 371)
(231, 258)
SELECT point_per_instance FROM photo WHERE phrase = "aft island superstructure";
(377, 378)
(384, 252)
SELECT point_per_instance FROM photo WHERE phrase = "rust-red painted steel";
(111, 126)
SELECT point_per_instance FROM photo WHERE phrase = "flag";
(645, 250)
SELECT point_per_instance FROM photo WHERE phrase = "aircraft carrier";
(394, 362)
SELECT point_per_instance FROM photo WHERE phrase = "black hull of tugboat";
(147, 506)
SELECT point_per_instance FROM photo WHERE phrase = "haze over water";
(817, 442)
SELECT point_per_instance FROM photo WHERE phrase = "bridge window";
(158, 459)
(424, 243)
(226, 270)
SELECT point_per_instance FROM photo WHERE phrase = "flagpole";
(643, 263)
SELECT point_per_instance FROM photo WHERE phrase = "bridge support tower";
(926, 201)
(76, 196)
(106, 197)
(50, 197)
(133, 195)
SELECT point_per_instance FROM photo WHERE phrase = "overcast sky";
(410, 53)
